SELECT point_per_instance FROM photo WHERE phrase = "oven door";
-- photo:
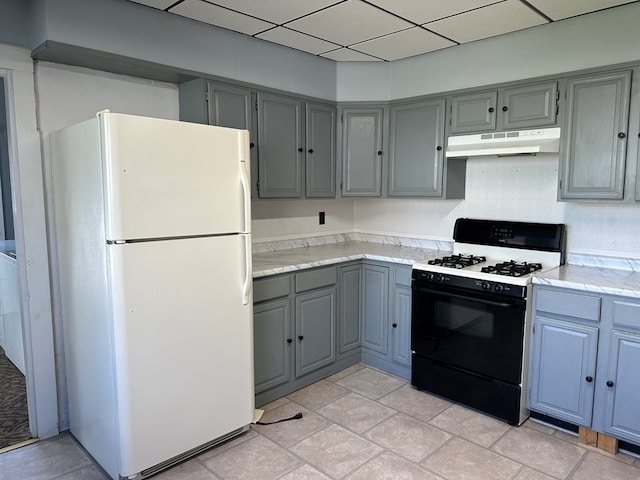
(480, 333)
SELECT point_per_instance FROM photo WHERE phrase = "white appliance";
(517, 142)
(152, 221)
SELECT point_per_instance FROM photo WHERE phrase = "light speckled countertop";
(292, 259)
(592, 279)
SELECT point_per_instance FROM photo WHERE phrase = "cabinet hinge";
(560, 184)
(206, 96)
(533, 329)
(340, 186)
(341, 118)
(256, 104)
(258, 186)
(557, 101)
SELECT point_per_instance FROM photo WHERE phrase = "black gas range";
(470, 319)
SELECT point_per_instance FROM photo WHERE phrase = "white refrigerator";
(152, 221)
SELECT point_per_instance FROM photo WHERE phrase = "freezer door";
(167, 179)
(183, 345)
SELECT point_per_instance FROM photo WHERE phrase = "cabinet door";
(621, 386)
(280, 148)
(563, 367)
(375, 308)
(401, 326)
(362, 152)
(349, 309)
(594, 143)
(415, 149)
(315, 330)
(321, 151)
(529, 106)
(273, 344)
(475, 112)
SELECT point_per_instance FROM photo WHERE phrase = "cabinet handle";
(311, 150)
(289, 340)
(394, 325)
(251, 145)
(589, 379)
(301, 149)
(609, 383)
(491, 109)
(505, 108)
(300, 337)
(379, 152)
(438, 148)
(621, 135)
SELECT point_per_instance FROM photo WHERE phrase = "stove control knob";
(431, 276)
(486, 286)
(439, 278)
(499, 287)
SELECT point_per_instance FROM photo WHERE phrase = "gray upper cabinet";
(473, 112)
(416, 149)
(362, 152)
(594, 138)
(281, 148)
(320, 165)
(510, 108)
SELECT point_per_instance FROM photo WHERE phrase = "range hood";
(516, 142)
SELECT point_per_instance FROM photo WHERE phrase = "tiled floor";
(361, 424)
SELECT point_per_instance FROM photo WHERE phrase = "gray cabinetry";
(349, 311)
(281, 148)
(375, 307)
(401, 316)
(509, 108)
(594, 138)
(362, 151)
(584, 360)
(320, 165)
(416, 154)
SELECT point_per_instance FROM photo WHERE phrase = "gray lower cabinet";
(375, 308)
(272, 348)
(315, 330)
(401, 316)
(349, 310)
(362, 151)
(416, 149)
(584, 360)
(594, 137)
(510, 108)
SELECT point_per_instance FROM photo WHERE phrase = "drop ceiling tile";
(559, 10)
(422, 11)
(406, 43)
(161, 4)
(496, 19)
(300, 41)
(276, 11)
(346, 55)
(221, 17)
(350, 22)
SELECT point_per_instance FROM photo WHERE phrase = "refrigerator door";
(166, 179)
(183, 345)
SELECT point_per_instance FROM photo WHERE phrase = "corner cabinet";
(416, 149)
(510, 108)
(594, 137)
(362, 151)
(584, 360)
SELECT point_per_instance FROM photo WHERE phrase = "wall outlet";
(321, 218)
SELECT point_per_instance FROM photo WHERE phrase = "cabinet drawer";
(626, 314)
(270, 287)
(569, 304)
(316, 278)
(403, 275)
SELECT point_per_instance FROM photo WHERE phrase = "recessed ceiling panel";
(422, 11)
(406, 43)
(221, 17)
(296, 40)
(485, 22)
(276, 11)
(558, 10)
(346, 55)
(350, 22)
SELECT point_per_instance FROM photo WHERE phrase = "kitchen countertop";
(292, 259)
(592, 279)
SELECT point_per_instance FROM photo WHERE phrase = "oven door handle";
(465, 297)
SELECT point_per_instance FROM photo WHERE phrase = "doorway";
(14, 417)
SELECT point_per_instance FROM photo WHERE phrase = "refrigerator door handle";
(245, 183)
(248, 280)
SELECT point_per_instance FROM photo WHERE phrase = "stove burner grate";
(458, 261)
(512, 268)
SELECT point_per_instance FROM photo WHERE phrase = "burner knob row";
(435, 277)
